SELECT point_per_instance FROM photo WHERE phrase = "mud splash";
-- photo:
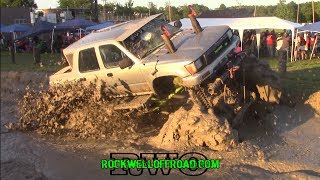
(82, 110)
(314, 101)
(76, 110)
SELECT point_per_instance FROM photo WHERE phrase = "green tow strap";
(164, 101)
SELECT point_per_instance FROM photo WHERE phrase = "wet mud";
(67, 140)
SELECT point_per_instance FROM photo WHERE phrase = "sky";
(45, 4)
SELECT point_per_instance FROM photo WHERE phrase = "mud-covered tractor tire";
(163, 86)
(259, 76)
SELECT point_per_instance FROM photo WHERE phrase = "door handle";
(109, 74)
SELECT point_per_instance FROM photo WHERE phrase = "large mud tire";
(259, 74)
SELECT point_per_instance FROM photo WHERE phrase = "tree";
(306, 12)
(284, 11)
(153, 8)
(175, 13)
(317, 11)
(222, 7)
(198, 8)
(94, 10)
(75, 3)
(128, 10)
(141, 9)
(18, 3)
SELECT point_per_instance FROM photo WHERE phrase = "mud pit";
(80, 111)
(271, 147)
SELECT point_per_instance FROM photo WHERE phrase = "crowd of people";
(38, 44)
(280, 44)
(25, 45)
(303, 44)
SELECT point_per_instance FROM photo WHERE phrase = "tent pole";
(296, 42)
(52, 41)
(14, 43)
(314, 45)
(258, 35)
(241, 37)
(293, 44)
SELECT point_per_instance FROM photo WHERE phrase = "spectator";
(274, 40)
(270, 44)
(1, 39)
(246, 40)
(238, 48)
(307, 42)
(302, 43)
(253, 45)
(36, 51)
(297, 49)
(282, 47)
(236, 32)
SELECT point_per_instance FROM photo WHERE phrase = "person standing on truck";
(36, 48)
(282, 47)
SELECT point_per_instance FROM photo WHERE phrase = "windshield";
(148, 38)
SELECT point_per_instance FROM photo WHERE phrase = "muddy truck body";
(140, 59)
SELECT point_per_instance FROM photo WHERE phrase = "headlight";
(195, 66)
(229, 34)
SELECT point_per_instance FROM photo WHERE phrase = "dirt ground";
(283, 144)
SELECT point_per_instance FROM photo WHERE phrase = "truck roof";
(118, 32)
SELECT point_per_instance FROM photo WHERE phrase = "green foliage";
(141, 9)
(306, 15)
(222, 7)
(286, 11)
(182, 11)
(109, 7)
(18, 3)
(74, 3)
(153, 8)
(128, 9)
(283, 9)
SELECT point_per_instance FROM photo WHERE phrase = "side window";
(111, 55)
(88, 60)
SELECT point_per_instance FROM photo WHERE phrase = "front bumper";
(209, 70)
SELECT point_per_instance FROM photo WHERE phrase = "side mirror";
(124, 63)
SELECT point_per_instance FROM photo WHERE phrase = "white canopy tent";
(246, 23)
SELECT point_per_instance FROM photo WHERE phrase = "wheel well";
(163, 86)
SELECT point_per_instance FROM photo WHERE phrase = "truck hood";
(190, 46)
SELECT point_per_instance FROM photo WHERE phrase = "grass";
(302, 77)
(25, 62)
